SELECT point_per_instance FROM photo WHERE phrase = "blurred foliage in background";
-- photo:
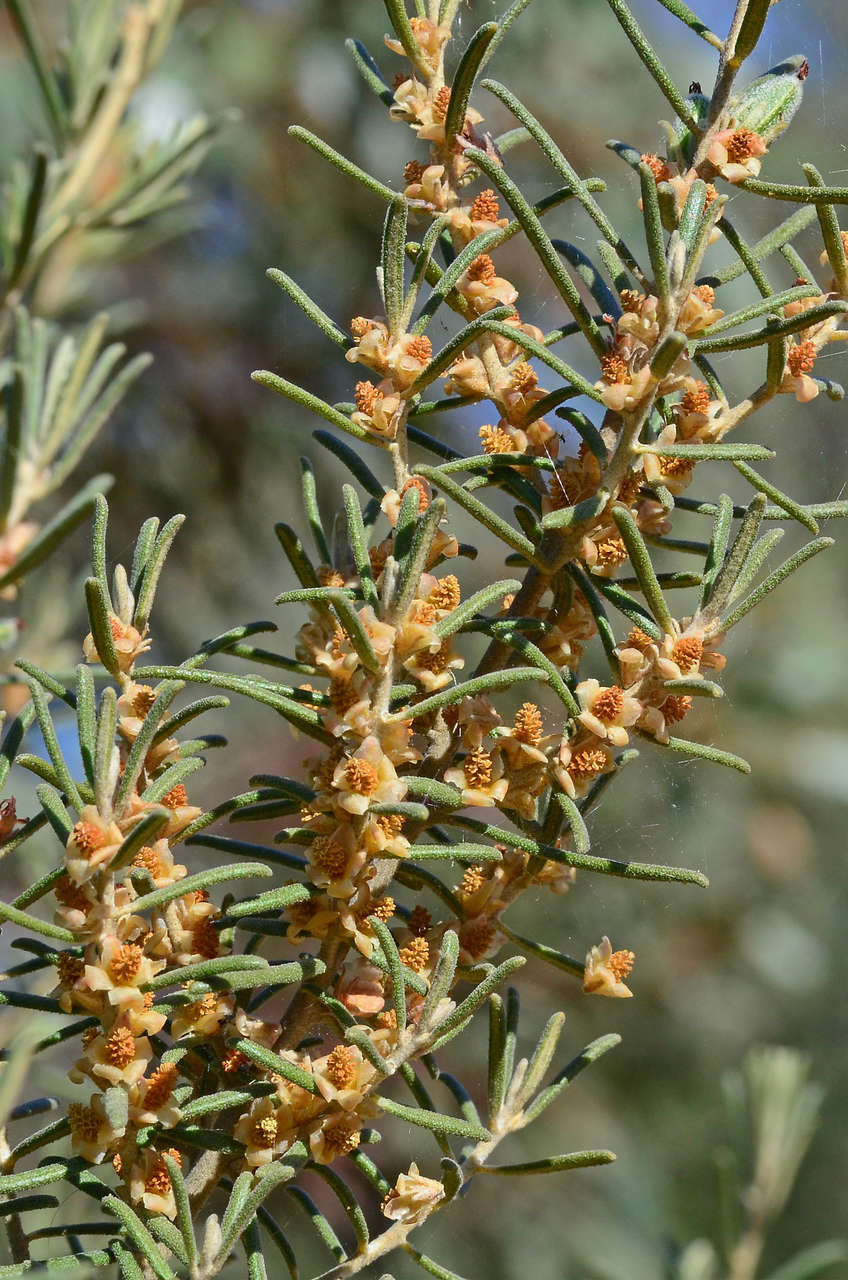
(759, 956)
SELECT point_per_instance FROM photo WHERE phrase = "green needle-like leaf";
(435, 1121)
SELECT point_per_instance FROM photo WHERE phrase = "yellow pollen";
(416, 482)
(482, 269)
(687, 653)
(70, 895)
(416, 955)
(801, 358)
(706, 294)
(628, 490)
(638, 639)
(359, 326)
(329, 856)
(391, 824)
(160, 1086)
(495, 440)
(608, 704)
(712, 192)
(473, 879)
(424, 612)
(477, 768)
(611, 551)
(119, 1048)
(148, 858)
(367, 397)
(176, 797)
(87, 837)
(523, 378)
(740, 145)
(614, 368)
(485, 207)
(420, 348)
(70, 969)
(527, 726)
(620, 963)
(696, 399)
(435, 662)
(441, 102)
(143, 699)
(446, 594)
(343, 1137)
(676, 466)
(658, 167)
(675, 708)
(159, 1180)
(263, 1133)
(341, 1067)
(361, 776)
(126, 963)
(84, 1121)
(382, 908)
(234, 1061)
(587, 763)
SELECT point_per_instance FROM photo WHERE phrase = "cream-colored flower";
(480, 779)
(430, 37)
(379, 409)
(343, 1076)
(129, 643)
(607, 711)
(479, 938)
(432, 666)
(152, 1099)
(796, 380)
(482, 288)
(580, 762)
(735, 153)
(263, 1135)
(158, 860)
(606, 970)
(150, 1182)
(622, 388)
(295, 1105)
(481, 216)
(412, 1197)
(92, 1134)
(699, 311)
(367, 777)
(202, 1017)
(112, 1058)
(121, 970)
(335, 860)
(336, 1135)
(93, 841)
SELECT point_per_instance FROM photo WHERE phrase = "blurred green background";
(759, 957)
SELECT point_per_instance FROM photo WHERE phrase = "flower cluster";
(447, 725)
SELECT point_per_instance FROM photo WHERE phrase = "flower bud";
(768, 105)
